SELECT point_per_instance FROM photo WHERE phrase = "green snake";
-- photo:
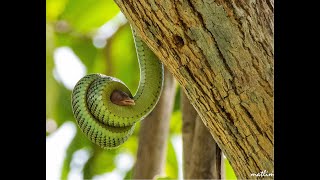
(103, 106)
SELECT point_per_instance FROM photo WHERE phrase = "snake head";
(121, 98)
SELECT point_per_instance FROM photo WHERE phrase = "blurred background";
(93, 36)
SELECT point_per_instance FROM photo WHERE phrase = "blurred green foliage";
(73, 24)
(229, 171)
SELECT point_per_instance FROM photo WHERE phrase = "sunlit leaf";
(87, 15)
(57, 96)
(177, 102)
(86, 51)
(229, 171)
(51, 84)
(63, 106)
(176, 122)
(171, 162)
(54, 8)
(101, 161)
(163, 178)
(130, 146)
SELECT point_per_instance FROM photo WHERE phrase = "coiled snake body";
(103, 106)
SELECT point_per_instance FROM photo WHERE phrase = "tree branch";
(221, 53)
(202, 157)
(154, 134)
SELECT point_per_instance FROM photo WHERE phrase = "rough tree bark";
(221, 53)
(202, 158)
(154, 132)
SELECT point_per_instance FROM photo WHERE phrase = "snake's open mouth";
(128, 102)
(121, 98)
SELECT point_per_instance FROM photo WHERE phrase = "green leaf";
(162, 178)
(58, 102)
(87, 52)
(58, 97)
(229, 171)
(54, 8)
(171, 162)
(177, 103)
(63, 109)
(176, 116)
(101, 161)
(130, 146)
(87, 15)
(176, 122)
(51, 84)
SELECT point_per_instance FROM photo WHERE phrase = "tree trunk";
(153, 135)
(221, 53)
(189, 115)
(202, 157)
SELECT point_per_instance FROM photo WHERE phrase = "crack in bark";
(271, 5)
(251, 118)
(196, 12)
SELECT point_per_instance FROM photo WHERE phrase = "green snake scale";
(108, 124)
